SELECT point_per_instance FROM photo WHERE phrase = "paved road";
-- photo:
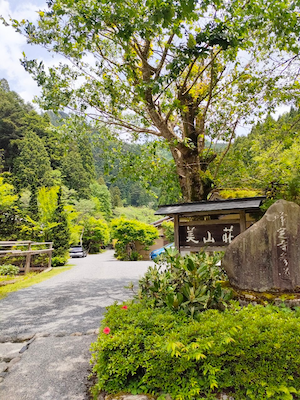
(62, 313)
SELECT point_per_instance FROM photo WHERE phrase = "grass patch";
(28, 280)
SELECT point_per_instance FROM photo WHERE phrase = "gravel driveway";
(61, 315)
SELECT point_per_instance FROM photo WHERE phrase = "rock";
(91, 332)
(266, 257)
(24, 338)
(8, 351)
(42, 334)
(3, 366)
(129, 397)
(225, 397)
(76, 334)
(249, 297)
(13, 362)
(60, 334)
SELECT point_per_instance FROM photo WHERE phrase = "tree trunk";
(195, 184)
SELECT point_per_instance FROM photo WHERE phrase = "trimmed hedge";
(251, 353)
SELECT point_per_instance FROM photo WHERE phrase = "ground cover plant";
(182, 322)
(192, 283)
(250, 353)
(8, 270)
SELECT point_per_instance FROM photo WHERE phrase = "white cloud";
(12, 45)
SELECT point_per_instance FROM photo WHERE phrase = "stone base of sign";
(244, 298)
(266, 257)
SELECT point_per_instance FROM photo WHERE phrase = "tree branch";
(226, 151)
(164, 55)
(202, 71)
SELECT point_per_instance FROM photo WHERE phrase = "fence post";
(28, 257)
(50, 254)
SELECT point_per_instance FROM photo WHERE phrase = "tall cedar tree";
(60, 234)
(33, 204)
(32, 166)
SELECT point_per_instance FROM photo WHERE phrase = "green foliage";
(12, 111)
(59, 261)
(191, 284)
(60, 233)
(32, 166)
(102, 193)
(168, 228)
(238, 193)
(119, 162)
(86, 208)
(74, 174)
(115, 194)
(9, 269)
(143, 214)
(267, 160)
(197, 85)
(8, 197)
(33, 209)
(128, 233)
(250, 353)
(11, 218)
(47, 203)
(85, 150)
(30, 279)
(96, 235)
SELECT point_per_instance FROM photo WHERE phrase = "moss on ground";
(22, 282)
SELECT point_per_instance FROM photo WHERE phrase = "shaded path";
(62, 313)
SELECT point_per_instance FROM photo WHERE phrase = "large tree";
(32, 167)
(268, 159)
(183, 71)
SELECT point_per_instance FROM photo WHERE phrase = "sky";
(13, 44)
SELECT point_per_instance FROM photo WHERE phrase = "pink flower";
(124, 308)
(106, 330)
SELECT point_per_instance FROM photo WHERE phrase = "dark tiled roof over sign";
(248, 204)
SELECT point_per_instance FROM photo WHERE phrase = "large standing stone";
(266, 257)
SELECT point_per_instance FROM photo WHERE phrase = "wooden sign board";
(218, 235)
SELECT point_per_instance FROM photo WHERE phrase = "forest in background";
(62, 179)
(56, 186)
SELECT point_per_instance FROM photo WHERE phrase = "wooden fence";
(12, 250)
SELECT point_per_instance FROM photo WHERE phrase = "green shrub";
(251, 353)
(128, 233)
(192, 283)
(168, 228)
(9, 269)
(59, 261)
(95, 235)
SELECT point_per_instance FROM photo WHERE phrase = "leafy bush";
(9, 269)
(251, 353)
(192, 283)
(96, 234)
(127, 233)
(168, 228)
(59, 261)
